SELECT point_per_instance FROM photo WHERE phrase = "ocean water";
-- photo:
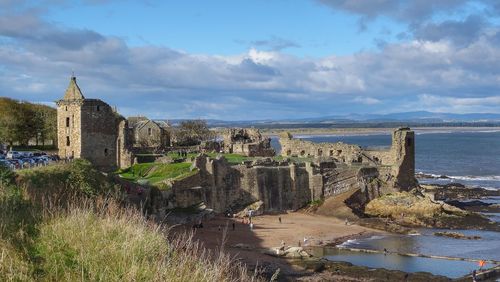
(470, 158)
(488, 248)
(449, 268)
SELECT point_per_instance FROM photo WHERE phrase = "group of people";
(182, 154)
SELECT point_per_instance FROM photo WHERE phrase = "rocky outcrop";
(413, 209)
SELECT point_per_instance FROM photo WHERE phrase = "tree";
(193, 132)
(21, 121)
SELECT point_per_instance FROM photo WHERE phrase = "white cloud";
(367, 100)
(254, 84)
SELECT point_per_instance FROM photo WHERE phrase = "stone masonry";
(92, 130)
(248, 142)
(400, 158)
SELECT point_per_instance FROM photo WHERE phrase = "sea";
(469, 157)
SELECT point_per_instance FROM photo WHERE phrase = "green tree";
(193, 132)
(21, 121)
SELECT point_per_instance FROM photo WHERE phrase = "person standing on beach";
(279, 218)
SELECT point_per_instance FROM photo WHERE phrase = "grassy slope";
(156, 172)
(95, 240)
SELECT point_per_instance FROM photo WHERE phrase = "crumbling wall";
(400, 157)
(248, 142)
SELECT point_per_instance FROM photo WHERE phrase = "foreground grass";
(94, 238)
(120, 245)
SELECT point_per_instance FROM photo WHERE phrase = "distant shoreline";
(372, 131)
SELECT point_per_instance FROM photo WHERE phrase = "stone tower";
(92, 130)
(403, 153)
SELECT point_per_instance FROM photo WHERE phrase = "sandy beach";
(268, 232)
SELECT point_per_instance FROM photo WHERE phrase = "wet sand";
(268, 232)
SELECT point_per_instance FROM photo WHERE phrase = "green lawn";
(156, 172)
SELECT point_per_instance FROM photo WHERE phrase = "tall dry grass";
(95, 238)
(105, 242)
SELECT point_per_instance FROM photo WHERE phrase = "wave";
(459, 177)
(349, 243)
(353, 242)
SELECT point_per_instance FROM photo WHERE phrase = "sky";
(255, 59)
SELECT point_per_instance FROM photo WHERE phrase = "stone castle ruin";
(398, 161)
(288, 185)
(248, 142)
(92, 130)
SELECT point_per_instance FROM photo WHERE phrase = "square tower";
(69, 121)
(90, 129)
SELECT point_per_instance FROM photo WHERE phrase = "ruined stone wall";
(125, 157)
(400, 157)
(403, 151)
(341, 180)
(248, 142)
(99, 134)
(280, 186)
(188, 191)
(340, 152)
(69, 128)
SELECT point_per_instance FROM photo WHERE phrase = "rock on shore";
(412, 209)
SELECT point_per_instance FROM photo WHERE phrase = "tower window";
(98, 108)
(67, 122)
(66, 108)
(67, 141)
(150, 131)
(106, 151)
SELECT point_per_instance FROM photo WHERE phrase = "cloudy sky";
(255, 59)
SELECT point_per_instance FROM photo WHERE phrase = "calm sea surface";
(471, 158)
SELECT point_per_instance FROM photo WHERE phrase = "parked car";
(28, 162)
(13, 155)
(18, 164)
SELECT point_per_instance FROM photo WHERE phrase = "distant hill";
(417, 118)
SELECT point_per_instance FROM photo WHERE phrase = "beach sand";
(268, 232)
